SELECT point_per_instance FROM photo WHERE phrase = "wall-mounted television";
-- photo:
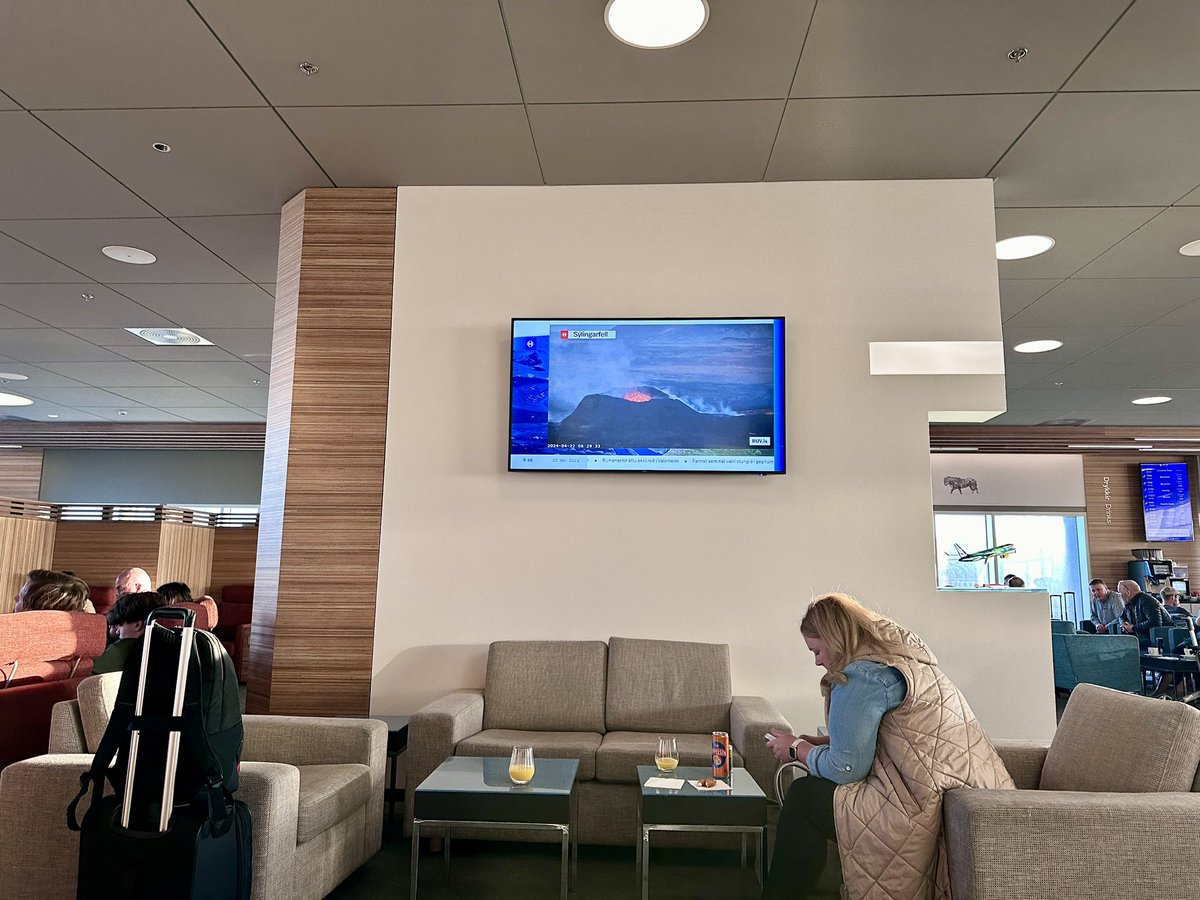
(1167, 502)
(647, 395)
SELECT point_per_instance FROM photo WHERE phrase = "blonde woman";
(900, 735)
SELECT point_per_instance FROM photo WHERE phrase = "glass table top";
(489, 775)
(742, 783)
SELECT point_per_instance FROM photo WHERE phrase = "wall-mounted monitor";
(647, 395)
(1167, 502)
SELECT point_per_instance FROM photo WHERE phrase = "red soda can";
(720, 754)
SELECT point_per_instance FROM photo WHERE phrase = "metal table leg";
(644, 857)
(565, 864)
(416, 856)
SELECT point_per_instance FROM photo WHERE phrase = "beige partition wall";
(26, 542)
(318, 550)
(97, 551)
(232, 558)
(185, 553)
(21, 473)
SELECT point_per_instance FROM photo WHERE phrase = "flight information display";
(1167, 502)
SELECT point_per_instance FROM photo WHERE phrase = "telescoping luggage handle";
(187, 638)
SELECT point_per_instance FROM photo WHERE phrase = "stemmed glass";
(520, 765)
(667, 755)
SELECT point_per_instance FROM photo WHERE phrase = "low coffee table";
(1187, 666)
(476, 791)
(742, 810)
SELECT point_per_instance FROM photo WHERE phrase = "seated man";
(1142, 612)
(128, 618)
(1107, 608)
(133, 581)
(1180, 617)
(47, 589)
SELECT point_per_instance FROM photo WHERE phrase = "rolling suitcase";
(150, 838)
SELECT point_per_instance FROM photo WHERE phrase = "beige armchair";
(1094, 812)
(314, 787)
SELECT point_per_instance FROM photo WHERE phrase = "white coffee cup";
(1153, 651)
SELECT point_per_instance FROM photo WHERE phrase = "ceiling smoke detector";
(168, 337)
(308, 68)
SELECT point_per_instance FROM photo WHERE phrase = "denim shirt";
(855, 708)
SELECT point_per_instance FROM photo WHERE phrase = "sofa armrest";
(1024, 761)
(1028, 845)
(272, 791)
(66, 728)
(749, 719)
(433, 732)
(39, 856)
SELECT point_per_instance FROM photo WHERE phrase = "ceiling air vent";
(181, 337)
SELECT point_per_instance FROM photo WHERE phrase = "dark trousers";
(805, 825)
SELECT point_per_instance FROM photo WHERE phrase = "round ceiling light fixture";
(51, 415)
(1192, 248)
(161, 147)
(13, 376)
(132, 255)
(1023, 246)
(1037, 346)
(1150, 401)
(14, 400)
(655, 24)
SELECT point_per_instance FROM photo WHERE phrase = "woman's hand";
(780, 744)
(816, 740)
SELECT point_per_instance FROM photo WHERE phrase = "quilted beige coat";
(889, 826)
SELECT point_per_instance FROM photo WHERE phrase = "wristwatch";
(792, 748)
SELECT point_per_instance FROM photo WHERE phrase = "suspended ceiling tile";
(48, 345)
(1023, 417)
(1056, 399)
(1018, 293)
(217, 414)
(1153, 342)
(254, 398)
(565, 54)
(411, 145)
(1018, 376)
(1153, 250)
(656, 143)
(114, 374)
(7, 103)
(39, 376)
(10, 318)
(205, 306)
(419, 51)
(211, 374)
(1152, 48)
(115, 339)
(1191, 199)
(55, 179)
(132, 414)
(1183, 374)
(77, 397)
(859, 48)
(144, 351)
(65, 306)
(1185, 315)
(77, 243)
(163, 397)
(1110, 149)
(1078, 341)
(1099, 371)
(136, 53)
(897, 137)
(222, 161)
(20, 264)
(44, 411)
(248, 243)
(269, 288)
(1113, 301)
(242, 341)
(1080, 236)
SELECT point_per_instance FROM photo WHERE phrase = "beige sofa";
(1097, 812)
(314, 787)
(605, 705)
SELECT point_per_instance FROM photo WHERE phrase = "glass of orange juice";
(667, 755)
(520, 765)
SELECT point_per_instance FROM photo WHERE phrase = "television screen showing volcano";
(698, 395)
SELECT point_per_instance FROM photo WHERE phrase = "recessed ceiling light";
(1023, 246)
(14, 400)
(51, 415)
(87, 298)
(122, 412)
(1150, 401)
(655, 24)
(1059, 383)
(161, 147)
(1037, 346)
(13, 376)
(1192, 248)
(256, 382)
(308, 68)
(132, 255)
(163, 337)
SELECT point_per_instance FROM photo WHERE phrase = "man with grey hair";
(133, 581)
(1107, 607)
(1142, 612)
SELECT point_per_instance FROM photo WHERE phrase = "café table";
(1175, 666)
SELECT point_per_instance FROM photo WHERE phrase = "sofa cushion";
(545, 686)
(621, 752)
(580, 745)
(667, 686)
(328, 794)
(1155, 743)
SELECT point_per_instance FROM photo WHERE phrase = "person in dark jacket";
(1142, 612)
(128, 618)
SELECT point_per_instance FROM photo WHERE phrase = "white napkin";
(719, 786)
(669, 784)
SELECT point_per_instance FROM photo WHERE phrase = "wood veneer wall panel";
(1113, 491)
(24, 544)
(233, 558)
(98, 551)
(21, 473)
(185, 553)
(312, 641)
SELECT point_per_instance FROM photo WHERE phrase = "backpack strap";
(110, 743)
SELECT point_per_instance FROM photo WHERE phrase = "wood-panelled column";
(318, 551)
